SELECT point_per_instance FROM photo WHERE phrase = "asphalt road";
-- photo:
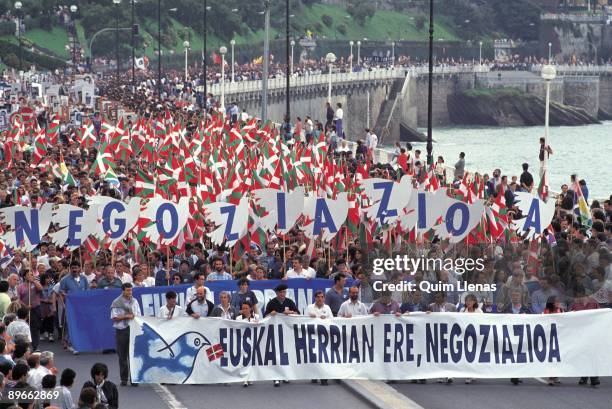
(482, 394)
(295, 395)
(501, 394)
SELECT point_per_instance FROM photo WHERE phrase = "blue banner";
(88, 312)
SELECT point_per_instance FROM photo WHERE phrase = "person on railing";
(338, 117)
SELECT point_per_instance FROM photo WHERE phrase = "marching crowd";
(570, 271)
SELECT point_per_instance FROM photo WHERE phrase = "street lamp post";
(430, 90)
(550, 53)
(480, 53)
(204, 56)
(359, 53)
(223, 51)
(351, 57)
(116, 3)
(287, 75)
(132, 45)
(18, 7)
(186, 46)
(232, 43)
(159, 53)
(292, 46)
(392, 53)
(73, 10)
(330, 59)
(548, 74)
(266, 61)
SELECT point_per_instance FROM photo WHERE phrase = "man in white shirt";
(300, 272)
(319, 309)
(170, 310)
(338, 117)
(45, 368)
(371, 142)
(19, 327)
(123, 310)
(198, 281)
(122, 273)
(353, 307)
(88, 271)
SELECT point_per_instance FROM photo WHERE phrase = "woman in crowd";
(106, 390)
(47, 308)
(553, 306)
(471, 306)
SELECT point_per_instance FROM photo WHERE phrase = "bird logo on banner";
(156, 359)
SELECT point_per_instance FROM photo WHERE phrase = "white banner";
(415, 346)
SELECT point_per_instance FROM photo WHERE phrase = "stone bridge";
(384, 98)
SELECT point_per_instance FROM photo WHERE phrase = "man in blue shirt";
(540, 297)
(219, 273)
(76, 281)
(335, 296)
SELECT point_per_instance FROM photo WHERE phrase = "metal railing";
(578, 69)
(574, 17)
(341, 78)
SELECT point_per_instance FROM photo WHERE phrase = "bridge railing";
(340, 77)
(578, 69)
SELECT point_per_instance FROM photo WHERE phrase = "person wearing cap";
(281, 305)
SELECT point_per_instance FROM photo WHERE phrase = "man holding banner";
(123, 310)
(280, 305)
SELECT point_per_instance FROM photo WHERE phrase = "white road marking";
(545, 382)
(168, 397)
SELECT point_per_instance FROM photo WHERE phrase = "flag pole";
(284, 250)
(231, 259)
(347, 244)
(168, 264)
(30, 292)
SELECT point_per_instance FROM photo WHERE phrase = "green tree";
(361, 10)
(419, 22)
(327, 20)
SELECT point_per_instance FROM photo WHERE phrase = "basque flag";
(214, 352)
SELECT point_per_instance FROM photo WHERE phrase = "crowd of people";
(571, 272)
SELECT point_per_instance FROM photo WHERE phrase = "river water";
(584, 150)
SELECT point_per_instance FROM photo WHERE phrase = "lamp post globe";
(549, 72)
(18, 7)
(223, 50)
(73, 8)
(330, 58)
